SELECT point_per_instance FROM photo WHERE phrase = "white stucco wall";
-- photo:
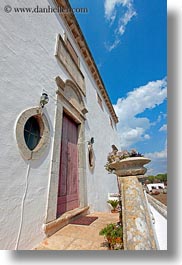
(28, 66)
(160, 227)
(99, 182)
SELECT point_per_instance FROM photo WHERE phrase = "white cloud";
(158, 162)
(132, 128)
(127, 12)
(163, 128)
(161, 155)
(110, 47)
(109, 6)
(161, 116)
(147, 136)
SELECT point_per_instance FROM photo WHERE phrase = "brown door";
(68, 194)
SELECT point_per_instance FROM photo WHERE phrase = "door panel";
(68, 193)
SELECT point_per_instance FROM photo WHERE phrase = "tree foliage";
(160, 177)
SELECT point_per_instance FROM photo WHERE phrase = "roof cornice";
(71, 22)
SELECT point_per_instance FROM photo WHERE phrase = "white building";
(45, 167)
(156, 186)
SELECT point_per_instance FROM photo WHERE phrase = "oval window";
(32, 132)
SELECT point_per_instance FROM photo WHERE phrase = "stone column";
(138, 231)
(55, 163)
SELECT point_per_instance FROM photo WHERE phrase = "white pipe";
(22, 207)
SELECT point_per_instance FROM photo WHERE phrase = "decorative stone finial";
(125, 163)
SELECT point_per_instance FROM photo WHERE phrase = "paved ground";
(80, 237)
(161, 197)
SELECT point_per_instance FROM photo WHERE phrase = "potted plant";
(113, 233)
(117, 156)
(114, 205)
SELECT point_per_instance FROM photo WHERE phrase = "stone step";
(53, 226)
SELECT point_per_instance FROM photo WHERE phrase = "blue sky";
(127, 39)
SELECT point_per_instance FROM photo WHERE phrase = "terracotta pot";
(118, 240)
(109, 240)
(114, 211)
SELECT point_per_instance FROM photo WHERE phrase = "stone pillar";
(137, 228)
(138, 231)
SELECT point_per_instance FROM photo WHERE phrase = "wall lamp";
(44, 99)
(91, 157)
(91, 141)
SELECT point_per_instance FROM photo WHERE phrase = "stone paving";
(80, 237)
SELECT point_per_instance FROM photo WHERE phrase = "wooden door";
(68, 193)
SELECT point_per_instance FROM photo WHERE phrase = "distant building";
(155, 186)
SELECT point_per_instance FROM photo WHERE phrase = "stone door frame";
(70, 101)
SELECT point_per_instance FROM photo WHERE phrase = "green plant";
(106, 231)
(116, 156)
(113, 203)
(114, 235)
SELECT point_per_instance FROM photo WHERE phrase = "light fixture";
(91, 141)
(44, 99)
(91, 157)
